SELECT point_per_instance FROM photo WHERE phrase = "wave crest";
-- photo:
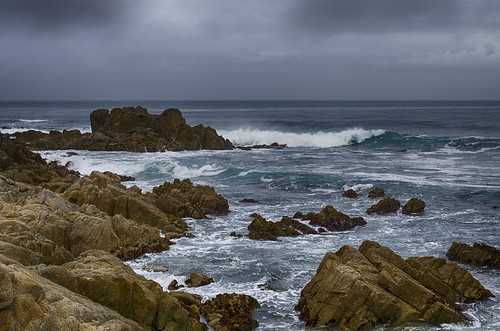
(320, 139)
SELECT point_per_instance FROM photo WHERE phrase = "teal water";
(446, 153)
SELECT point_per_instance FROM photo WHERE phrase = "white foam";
(357, 187)
(32, 121)
(319, 139)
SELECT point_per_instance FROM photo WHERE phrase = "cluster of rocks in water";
(389, 205)
(130, 129)
(63, 238)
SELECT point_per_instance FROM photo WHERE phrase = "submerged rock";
(384, 206)
(230, 312)
(357, 289)
(479, 254)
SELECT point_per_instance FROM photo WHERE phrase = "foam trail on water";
(317, 139)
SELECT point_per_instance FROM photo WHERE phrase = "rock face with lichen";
(230, 312)
(131, 129)
(478, 254)
(361, 288)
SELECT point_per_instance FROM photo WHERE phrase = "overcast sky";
(241, 49)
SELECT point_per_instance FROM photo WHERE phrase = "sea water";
(446, 153)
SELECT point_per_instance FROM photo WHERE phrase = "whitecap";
(32, 121)
(320, 139)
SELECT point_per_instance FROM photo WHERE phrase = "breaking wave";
(248, 137)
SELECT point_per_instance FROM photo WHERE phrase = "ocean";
(446, 153)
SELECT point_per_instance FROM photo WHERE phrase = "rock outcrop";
(131, 129)
(262, 229)
(384, 206)
(350, 193)
(197, 279)
(29, 301)
(479, 254)
(104, 279)
(356, 289)
(333, 220)
(183, 199)
(22, 165)
(230, 312)
(413, 206)
(376, 193)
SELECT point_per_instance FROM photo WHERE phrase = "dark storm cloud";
(370, 16)
(59, 14)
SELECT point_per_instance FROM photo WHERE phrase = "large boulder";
(479, 254)
(104, 279)
(334, 220)
(197, 279)
(377, 192)
(183, 199)
(230, 312)
(262, 229)
(29, 301)
(384, 206)
(357, 289)
(413, 206)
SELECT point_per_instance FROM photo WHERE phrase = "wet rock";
(414, 206)
(230, 312)
(105, 279)
(197, 279)
(333, 220)
(261, 229)
(357, 289)
(376, 193)
(237, 235)
(350, 193)
(248, 200)
(263, 146)
(298, 225)
(174, 285)
(384, 206)
(183, 199)
(479, 254)
(131, 129)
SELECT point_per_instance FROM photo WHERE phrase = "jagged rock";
(174, 285)
(357, 289)
(384, 206)
(54, 230)
(376, 193)
(183, 199)
(230, 312)
(131, 129)
(297, 225)
(196, 279)
(479, 254)
(29, 301)
(20, 164)
(107, 193)
(105, 279)
(414, 206)
(333, 220)
(350, 193)
(261, 229)
(263, 146)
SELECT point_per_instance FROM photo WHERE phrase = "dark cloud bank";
(222, 49)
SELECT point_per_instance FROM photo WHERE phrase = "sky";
(240, 49)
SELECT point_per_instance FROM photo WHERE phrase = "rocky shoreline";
(64, 237)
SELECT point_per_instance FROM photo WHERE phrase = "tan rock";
(355, 289)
